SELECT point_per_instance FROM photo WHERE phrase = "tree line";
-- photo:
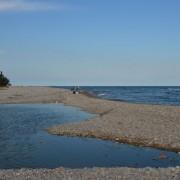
(4, 81)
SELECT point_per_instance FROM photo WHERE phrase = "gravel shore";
(146, 125)
(138, 124)
(93, 173)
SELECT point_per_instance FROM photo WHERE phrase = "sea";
(161, 95)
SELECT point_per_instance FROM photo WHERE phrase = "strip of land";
(93, 173)
(138, 124)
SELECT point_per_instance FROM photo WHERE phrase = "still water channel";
(25, 144)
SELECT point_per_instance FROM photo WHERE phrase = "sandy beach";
(146, 125)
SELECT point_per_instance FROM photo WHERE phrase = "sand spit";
(146, 125)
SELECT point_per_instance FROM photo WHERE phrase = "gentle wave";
(169, 95)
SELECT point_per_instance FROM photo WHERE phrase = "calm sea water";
(25, 144)
(149, 95)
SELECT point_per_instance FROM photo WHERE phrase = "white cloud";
(28, 5)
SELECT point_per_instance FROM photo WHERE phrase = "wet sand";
(146, 125)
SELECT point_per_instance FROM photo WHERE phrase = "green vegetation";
(4, 81)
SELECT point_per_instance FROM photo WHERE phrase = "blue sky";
(90, 42)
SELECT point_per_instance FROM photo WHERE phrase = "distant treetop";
(4, 81)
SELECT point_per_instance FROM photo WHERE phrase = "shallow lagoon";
(25, 144)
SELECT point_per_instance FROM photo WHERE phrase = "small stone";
(173, 169)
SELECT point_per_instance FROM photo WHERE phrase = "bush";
(4, 81)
